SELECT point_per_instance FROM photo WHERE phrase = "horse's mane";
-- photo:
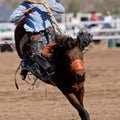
(84, 38)
(59, 53)
(65, 42)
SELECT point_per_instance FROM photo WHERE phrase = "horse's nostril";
(80, 78)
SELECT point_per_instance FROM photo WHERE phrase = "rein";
(15, 76)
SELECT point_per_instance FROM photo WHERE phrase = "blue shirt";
(39, 19)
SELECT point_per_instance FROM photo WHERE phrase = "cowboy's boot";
(47, 54)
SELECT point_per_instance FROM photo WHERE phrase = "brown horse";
(69, 75)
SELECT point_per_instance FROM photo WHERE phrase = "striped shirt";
(39, 19)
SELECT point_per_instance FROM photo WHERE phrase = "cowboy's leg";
(37, 44)
(46, 51)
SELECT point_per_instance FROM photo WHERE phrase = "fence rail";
(7, 42)
(98, 32)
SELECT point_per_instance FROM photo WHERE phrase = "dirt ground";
(102, 90)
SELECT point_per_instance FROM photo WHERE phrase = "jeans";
(38, 44)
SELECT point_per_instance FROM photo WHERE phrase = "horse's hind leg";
(75, 102)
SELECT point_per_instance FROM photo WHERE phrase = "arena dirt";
(101, 99)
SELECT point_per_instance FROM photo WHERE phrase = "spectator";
(107, 19)
(94, 17)
(75, 22)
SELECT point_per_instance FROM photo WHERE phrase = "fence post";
(112, 43)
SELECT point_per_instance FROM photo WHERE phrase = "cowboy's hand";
(27, 11)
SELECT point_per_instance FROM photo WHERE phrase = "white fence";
(7, 33)
(98, 32)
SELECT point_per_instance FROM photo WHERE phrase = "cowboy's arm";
(17, 13)
(55, 6)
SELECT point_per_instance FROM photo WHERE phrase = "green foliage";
(57, 0)
(15, 4)
(73, 6)
(80, 5)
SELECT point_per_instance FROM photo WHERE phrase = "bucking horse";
(67, 58)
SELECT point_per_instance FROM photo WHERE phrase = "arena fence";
(99, 33)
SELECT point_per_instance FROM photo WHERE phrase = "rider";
(38, 25)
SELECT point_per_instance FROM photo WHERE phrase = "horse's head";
(67, 55)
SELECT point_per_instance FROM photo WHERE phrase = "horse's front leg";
(80, 95)
(78, 89)
(75, 102)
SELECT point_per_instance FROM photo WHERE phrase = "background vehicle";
(6, 36)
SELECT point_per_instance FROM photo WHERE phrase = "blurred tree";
(79, 5)
(58, 0)
(73, 6)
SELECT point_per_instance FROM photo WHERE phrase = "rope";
(15, 76)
